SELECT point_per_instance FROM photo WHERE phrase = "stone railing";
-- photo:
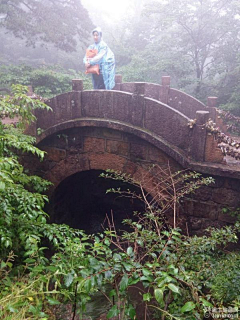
(134, 112)
(176, 99)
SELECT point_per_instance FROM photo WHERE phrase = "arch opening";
(81, 202)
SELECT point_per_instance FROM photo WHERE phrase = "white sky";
(114, 8)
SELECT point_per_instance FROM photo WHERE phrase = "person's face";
(96, 37)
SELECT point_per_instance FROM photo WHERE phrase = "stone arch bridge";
(131, 126)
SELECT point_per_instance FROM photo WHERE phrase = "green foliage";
(46, 81)
(194, 42)
(17, 204)
(57, 22)
(225, 285)
(198, 31)
(46, 267)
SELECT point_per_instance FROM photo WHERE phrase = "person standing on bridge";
(106, 61)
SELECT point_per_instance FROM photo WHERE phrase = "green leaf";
(2, 186)
(173, 288)
(131, 312)
(148, 279)
(127, 266)
(158, 293)
(190, 305)
(108, 274)
(113, 312)
(146, 272)
(12, 309)
(112, 293)
(52, 301)
(32, 309)
(88, 285)
(206, 303)
(147, 296)
(68, 279)
(129, 251)
(123, 283)
(117, 257)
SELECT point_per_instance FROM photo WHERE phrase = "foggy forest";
(142, 257)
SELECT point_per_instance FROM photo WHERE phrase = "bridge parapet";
(176, 99)
(163, 125)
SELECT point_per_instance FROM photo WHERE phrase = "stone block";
(195, 223)
(206, 223)
(118, 78)
(219, 182)
(187, 207)
(75, 102)
(90, 103)
(75, 141)
(212, 152)
(77, 85)
(233, 184)
(205, 210)
(184, 103)
(157, 155)
(54, 154)
(59, 140)
(137, 109)
(106, 105)
(127, 87)
(63, 169)
(165, 122)
(112, 134)
(226, 197)
(204, 193)
(93, 132)
(152, 90)
(117, 147)
(95, 145)
(106, 161)
(138, 151)
(63, 108)
(226, 218)
(122, 107)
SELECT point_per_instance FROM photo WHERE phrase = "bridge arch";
(171, 150)
(72, 149)
(126, 131)
(79, 151)
(146, 117)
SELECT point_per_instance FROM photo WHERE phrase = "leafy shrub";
(46, 267)
(46, 81)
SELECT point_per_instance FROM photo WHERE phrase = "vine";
(232, 122)
(227, 144)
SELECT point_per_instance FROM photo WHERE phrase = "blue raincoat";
(106, 60)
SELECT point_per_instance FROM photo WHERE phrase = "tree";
(61, 22)
(199, 30)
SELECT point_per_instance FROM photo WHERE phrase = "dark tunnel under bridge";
(82, 202)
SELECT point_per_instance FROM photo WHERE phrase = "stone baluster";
(212, 102)
(138, 103)
(76, 98)
(77, 85)
(164, 90)
(139, 88)
(199, 136)
(118, 81)
(211, 106)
